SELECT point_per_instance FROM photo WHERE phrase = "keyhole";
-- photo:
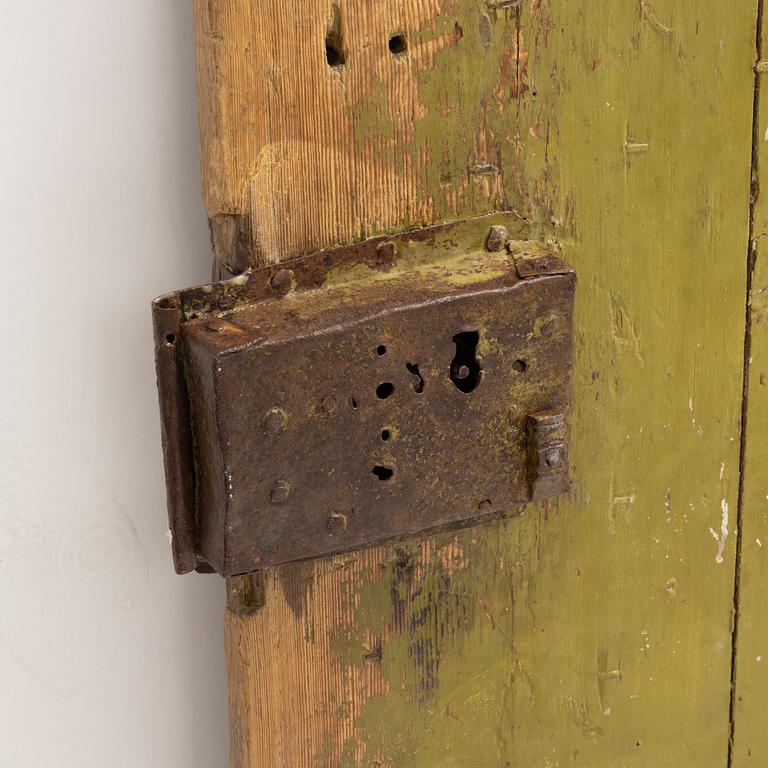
(465, 367)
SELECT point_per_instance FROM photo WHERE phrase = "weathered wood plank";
(593, 632)
(313, 155)
(750, 736)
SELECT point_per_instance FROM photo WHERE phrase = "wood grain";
(750, 736)
(314, 155)
(290, 667)
(593, 632)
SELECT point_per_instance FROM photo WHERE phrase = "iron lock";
(398, 386)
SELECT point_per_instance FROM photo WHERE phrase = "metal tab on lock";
(548, 453)
(402, 385)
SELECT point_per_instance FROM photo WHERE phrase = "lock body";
(421, 384)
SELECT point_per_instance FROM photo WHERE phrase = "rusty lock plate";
(363, 394)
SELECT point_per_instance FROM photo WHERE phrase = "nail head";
(497, 238)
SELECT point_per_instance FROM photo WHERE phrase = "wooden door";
(597, 630)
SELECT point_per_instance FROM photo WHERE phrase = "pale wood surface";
(316, 155)
(594, 632)
(295, 699)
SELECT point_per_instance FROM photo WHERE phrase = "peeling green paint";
(595, 631)
(372, 120)
(559, 642)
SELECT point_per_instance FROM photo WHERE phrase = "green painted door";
(597, 631)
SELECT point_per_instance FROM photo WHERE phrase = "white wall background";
(107, 660)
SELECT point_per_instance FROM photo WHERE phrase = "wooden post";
(595, 631)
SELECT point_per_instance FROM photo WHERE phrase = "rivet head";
(552, 457)
(274, 421)
(329, 404)
(280, 492)
(387, 253)
(281, 281)
(226, 302)
(463, 372)
(497, 238)
(549, 326)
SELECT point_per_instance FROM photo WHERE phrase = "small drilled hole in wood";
(381, 350)
(398, 45)
(333, 53)
(383, 473)
(385, 390)
(520, 366)
(170, 339)
(334, 40)
(386, 435)
(355, 404)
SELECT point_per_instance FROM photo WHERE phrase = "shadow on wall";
(97, 634)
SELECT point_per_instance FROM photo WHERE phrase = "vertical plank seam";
(751, 255)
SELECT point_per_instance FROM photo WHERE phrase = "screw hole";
(383, 473)
(386, 435)
(520, 366)
(385, 390)
(398, 45)
(355, 404)
(381, 350)
(333, 54)
(334, 41)
(170, 339)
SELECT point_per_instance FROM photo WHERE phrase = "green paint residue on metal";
(457, 256)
